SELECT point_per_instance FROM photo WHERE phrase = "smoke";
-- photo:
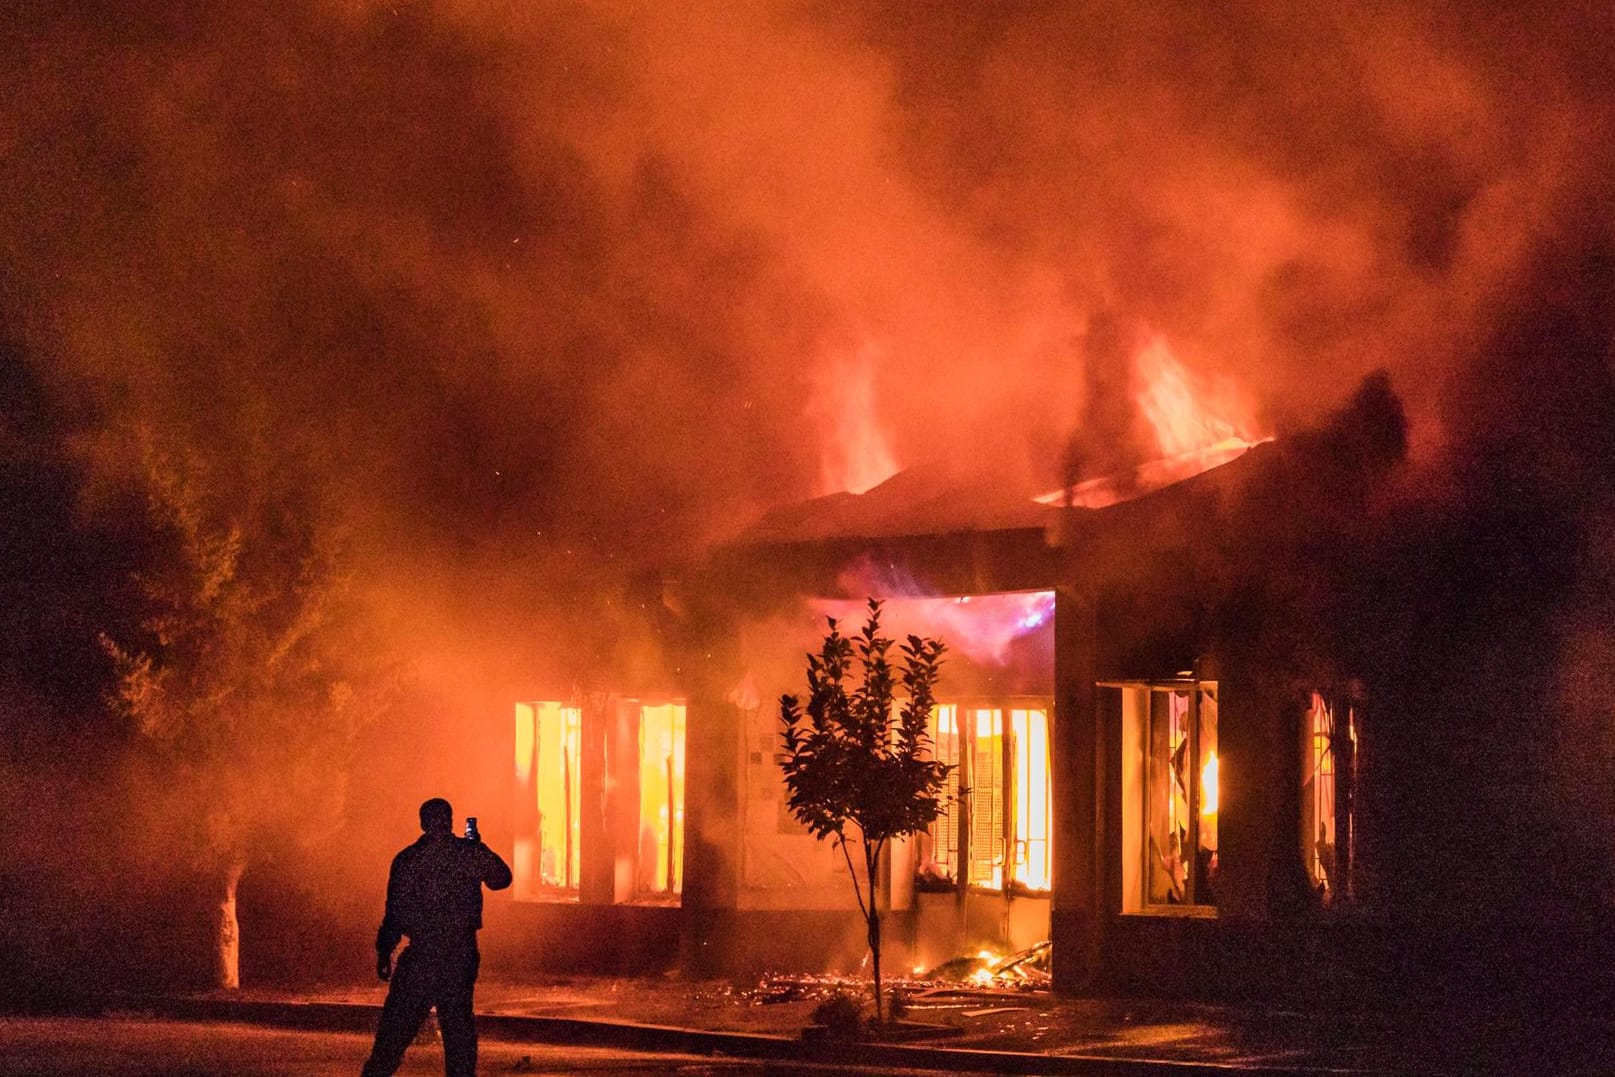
(542, 293)
(572, 272)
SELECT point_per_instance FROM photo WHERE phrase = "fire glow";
(855, 456)
(981, 627)
(1196, 426)
(1186, 418)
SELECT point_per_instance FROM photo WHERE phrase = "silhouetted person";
(434, 896)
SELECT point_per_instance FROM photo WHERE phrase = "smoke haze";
(533, 271)
(528, 294)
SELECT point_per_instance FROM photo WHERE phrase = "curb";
(515, 1028)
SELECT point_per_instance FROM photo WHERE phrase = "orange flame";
(1198, 425)
(854, 455)
(1187, 417)
(1208, 786)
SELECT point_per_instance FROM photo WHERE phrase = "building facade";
(1157, 749)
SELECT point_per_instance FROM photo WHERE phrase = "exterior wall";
(711, 830)
(567, 937)
(940, 926)
(1076, 742)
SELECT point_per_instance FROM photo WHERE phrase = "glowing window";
(1034, 809)
(661, 799)
(986, 798)
(1170, 786)
(999, 816)
(939, 855)
(1327, 757)
(546, 849)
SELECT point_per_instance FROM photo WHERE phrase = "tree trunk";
(874, 939)
(227, 970)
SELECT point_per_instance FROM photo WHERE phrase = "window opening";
(1170, 787)
(661, 798)
(546, 851)
(1034, 809)
(999, 819)
(1327, 770)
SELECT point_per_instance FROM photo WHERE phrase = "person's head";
(437, 816)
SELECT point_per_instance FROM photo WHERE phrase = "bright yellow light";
(557, 791)
(983, 976)
(524, 741)
(1208, 786)
(986, 724)
(661, 791)
(1034, 819)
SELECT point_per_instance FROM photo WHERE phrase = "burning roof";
(937, 500)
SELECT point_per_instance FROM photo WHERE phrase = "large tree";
(249, 678)
(858, 769)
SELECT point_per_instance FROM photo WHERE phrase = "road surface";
(152, 1047)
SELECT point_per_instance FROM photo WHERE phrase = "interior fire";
(635, 774)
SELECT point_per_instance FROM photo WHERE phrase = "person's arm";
(391, 930)
(495, 872)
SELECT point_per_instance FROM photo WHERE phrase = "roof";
(935, 499)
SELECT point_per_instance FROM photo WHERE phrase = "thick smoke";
(537, 294)
(568, 272)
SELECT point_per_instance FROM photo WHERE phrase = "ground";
(145, 1047)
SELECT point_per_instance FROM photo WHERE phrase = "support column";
(1076, 910)
(714, 742)
(595, 862)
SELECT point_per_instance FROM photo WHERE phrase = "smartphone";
(471, 828)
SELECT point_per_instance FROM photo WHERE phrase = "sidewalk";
(1006, 1032)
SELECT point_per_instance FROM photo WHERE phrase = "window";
(986, 787)
(1169, 794)
(998, 821)
(661, 799)
(1034, 810)
(1328, 757)
(623, 759)
(546, 853)
(938, 864)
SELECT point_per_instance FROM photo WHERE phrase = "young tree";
(248, 680)
(856, 768)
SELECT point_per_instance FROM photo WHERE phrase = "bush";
(841, 1015)
(897, 1006)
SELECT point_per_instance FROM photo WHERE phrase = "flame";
(1198, 425)
(1187, 417)
(854, 455)
(1208, 786)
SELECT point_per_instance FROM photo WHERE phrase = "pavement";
(958, 1028)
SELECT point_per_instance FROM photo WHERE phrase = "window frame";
(964, 799)
(1136, 729)
(1330, 732)
(529, 845)
(604, 778)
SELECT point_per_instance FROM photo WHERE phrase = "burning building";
(1156, 736)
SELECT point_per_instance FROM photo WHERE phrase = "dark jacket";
(434, 892)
